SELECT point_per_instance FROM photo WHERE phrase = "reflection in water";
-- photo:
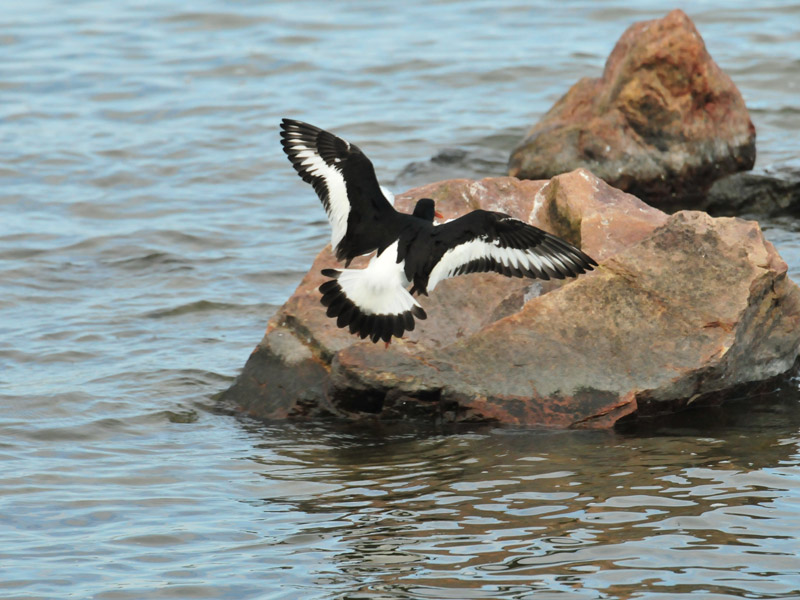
(505, 513)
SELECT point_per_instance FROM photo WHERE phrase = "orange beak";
(438, 215)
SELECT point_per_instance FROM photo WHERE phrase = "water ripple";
(150, 228)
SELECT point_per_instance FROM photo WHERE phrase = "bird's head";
(426, 209)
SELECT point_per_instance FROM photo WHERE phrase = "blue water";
(150, 226)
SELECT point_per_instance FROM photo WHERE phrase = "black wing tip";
(349, 315)
(292, 130)
(288, 124)
(564, 247)
(567, 260)
(582, 263)
(297, 136)
(557, 258)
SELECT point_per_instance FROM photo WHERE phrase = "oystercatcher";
(411, 249)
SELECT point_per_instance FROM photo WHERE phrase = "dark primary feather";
(315, 138)
(502, 231)
(368, 207)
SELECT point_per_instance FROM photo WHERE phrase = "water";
(150, 226)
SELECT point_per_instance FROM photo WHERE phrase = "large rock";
(663, 122)
(681, 308)
(763, 194)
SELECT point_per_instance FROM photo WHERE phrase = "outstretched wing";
(342, 176)
(483, 241)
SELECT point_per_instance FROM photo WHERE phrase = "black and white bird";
(375, 302)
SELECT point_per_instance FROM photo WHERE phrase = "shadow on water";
(703, 498)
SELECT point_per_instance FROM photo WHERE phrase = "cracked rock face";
(681, 308)
(663, 122)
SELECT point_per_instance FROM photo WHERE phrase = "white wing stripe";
(548, 262)
(515, 258)
(338, 202)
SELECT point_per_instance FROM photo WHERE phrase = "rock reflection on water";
(503, 513)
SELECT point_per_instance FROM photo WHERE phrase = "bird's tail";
(372, 304)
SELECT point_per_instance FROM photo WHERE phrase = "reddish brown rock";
(682, 307)
(586, 210)
(663, 122)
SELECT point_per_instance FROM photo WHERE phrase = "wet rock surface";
(663, 122)
(762, 194)
(682, 307)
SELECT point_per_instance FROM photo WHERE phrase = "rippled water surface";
(149, 227)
